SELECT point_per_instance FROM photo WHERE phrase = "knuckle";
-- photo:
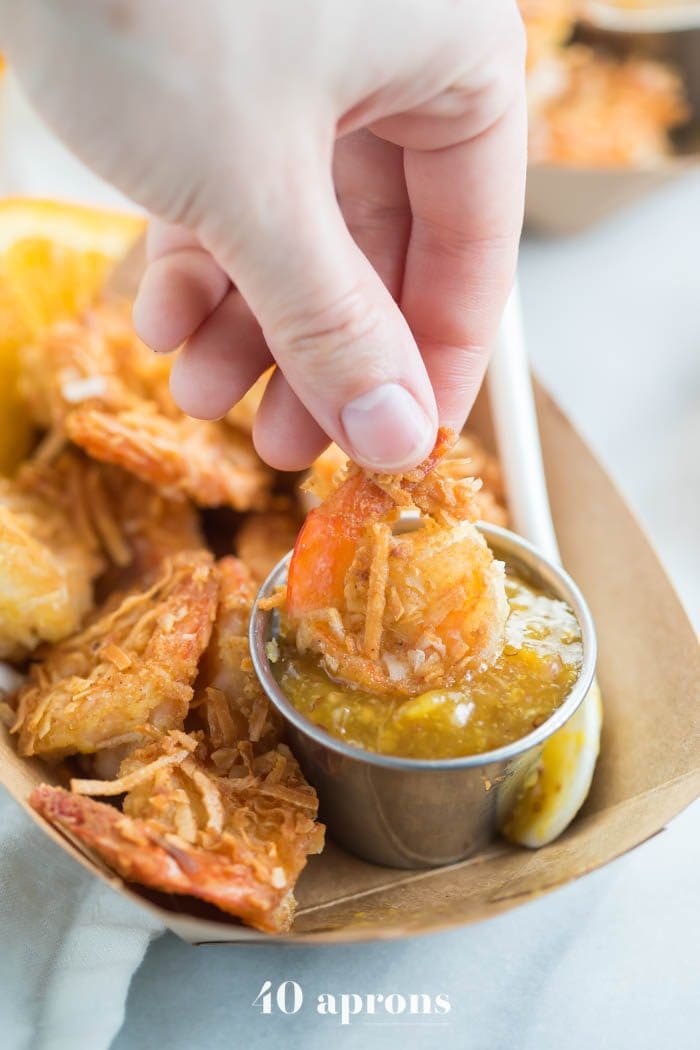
(328, 331)
(369, 216)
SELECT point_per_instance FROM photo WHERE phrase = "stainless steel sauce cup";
(411, 813)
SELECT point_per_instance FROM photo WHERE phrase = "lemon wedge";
(553, 793)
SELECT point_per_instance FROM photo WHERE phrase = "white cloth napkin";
(69, 945)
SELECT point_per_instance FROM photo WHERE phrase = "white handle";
(517, 433)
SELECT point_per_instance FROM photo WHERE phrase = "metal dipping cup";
(414, 813)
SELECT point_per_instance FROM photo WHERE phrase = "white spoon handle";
(517, 434)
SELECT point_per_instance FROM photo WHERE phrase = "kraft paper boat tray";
(649, 767)
(562, 200)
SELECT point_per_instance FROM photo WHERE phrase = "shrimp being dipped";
(132, 667)
(237, 839)
(489, 501)
(95, 382)
(398, 612)
(49, 555)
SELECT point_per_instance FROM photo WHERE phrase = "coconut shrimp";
(489, 500)
(393, 611)
(137, 527)
(324, 476)
(95, 382)
(263, 539)
(97, 361)
(237, 839)
(208, 462)
(132, 667)
(230, 704)
(49, 555)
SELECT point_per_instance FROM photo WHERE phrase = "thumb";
(341, 341)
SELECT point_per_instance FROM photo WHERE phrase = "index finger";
(467, 207)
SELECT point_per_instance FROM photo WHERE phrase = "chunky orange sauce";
(494, 706)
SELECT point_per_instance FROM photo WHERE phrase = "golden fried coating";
(133, 666)
(49, 555)
(323, 477)
(607, 112)
(210, 463)
(265, 538)
(398, 611)
(96, 382)
(97, 361)
(237, 839)
(328, 470)
(230, 704)
(136, 525)
(490, 499)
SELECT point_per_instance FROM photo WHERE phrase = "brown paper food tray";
(561, 200)
(649, 767)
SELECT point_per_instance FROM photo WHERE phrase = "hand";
(339, 189)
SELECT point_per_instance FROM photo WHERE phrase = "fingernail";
(387, 428)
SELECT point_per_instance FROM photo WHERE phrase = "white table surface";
(612, 961)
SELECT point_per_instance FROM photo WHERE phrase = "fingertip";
(177, 292)
(203, 393)
(285, 435)
(387, 429)
(221, 361)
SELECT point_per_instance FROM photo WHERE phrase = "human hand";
(338, 186)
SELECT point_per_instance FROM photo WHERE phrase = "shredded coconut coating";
(392, 610)
(263, 539)
(330, 470)
(230, 704)
(50, 555)
(94, 381)
(231, 826)
(237, 838)
(131, 668)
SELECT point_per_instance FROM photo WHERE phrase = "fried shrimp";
(390, 611)
(230, 704)
(133, 666)
(136, 525)
(489, 501)
(328, 470)
(265, 538)
(210, 463)
(49, 555)
(96, 361)
(97, 383)
(237, 839)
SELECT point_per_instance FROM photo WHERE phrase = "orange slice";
(54, 259)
